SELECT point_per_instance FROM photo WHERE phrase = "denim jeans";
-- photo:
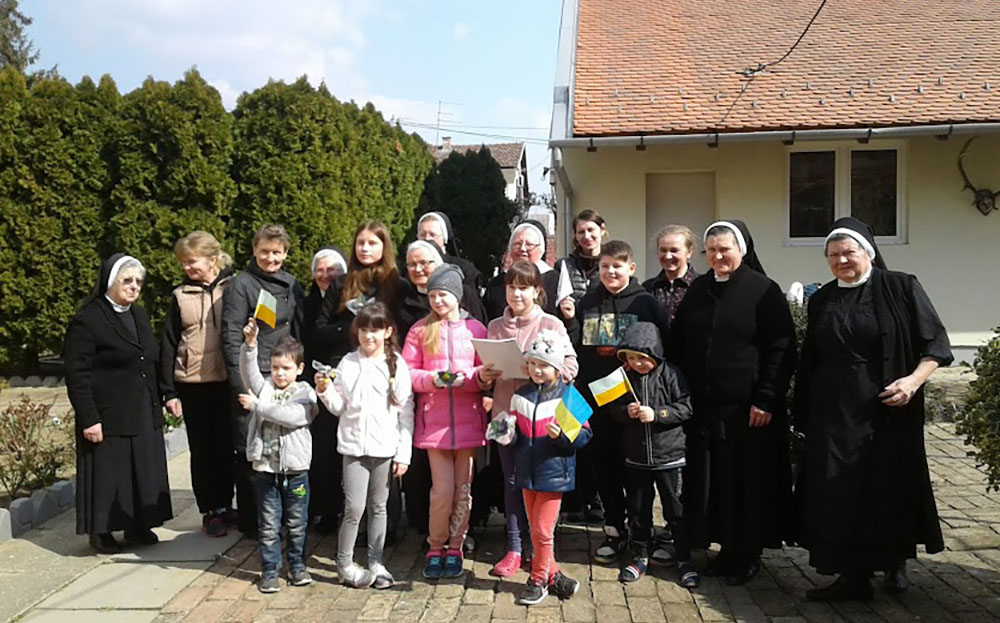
(282, 500)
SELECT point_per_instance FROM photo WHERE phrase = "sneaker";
(383, 579)
(532, 594)
(563, 586)
(507, 566)
(299, 578)
(607, 552)
(452, 564)
(661, 556)
(434, 566)
(689, 577)
(214, 525)
(355, 576)
(633, 570)
(268, 584)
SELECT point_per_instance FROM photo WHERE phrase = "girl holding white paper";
(522, 320)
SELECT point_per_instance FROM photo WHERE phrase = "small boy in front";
(596, 326)
(653, 445)
(279, 447)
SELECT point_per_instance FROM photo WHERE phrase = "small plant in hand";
(979, 420)
(35, 446)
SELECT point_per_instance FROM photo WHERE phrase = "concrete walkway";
(187, 577)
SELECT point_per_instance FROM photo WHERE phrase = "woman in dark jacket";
(675, 244)
(581, 265)
(326, 495)
(111, 376)
(872, 340)
(193, 374)
(734, 339)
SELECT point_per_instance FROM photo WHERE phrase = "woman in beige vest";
(193, 374)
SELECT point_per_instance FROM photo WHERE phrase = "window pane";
(810, 193)
(873, 189)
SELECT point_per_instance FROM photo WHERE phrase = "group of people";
(366, 395)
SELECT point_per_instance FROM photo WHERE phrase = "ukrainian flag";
(610, 388)
(572, 412)
(267, 309)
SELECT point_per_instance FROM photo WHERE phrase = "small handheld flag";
(565, 287)
(267, 309)
(572, 412)
(611, 388)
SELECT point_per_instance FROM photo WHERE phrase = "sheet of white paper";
(505, 355)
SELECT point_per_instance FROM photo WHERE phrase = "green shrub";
(979, 420)
(34, 447)
(170, 158)
(319, 167)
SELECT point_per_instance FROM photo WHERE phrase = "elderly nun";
(111, 376)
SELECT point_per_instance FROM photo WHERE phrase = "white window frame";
(842, 186)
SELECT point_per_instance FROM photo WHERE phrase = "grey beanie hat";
(548, 347)
(449, 278)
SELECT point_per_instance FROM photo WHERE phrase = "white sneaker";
(356, 576)
(383, 579)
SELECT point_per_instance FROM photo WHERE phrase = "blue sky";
(491, 63)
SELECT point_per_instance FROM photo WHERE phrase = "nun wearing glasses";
(734, 339)
(872, 340)
(111, 360)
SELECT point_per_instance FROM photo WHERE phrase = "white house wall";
(951, 247)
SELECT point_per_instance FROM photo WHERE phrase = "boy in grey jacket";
(279, 446)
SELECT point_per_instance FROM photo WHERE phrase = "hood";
(633, 288)
(642, 337)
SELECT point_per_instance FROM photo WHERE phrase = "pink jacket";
(446, 418)
(525, 329)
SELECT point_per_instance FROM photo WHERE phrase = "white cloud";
(461, 30)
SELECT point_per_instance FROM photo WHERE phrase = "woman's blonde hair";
(689, 238)
(202, 244)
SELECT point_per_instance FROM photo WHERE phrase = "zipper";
(451, 388)
(531, 438)
(649, 437)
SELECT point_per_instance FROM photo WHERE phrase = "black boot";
(895, 580)
(141, 536)
(105, 544)
(853, 587)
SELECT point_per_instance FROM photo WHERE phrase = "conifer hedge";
(86, 171)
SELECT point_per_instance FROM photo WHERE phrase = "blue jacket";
(540, 462)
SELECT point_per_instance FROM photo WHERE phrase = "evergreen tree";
(170, 157)
(52, 185)
(16, 50)
(319, 167)
(470, 189)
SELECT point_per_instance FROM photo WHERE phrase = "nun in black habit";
(734, 339)
(111, 358)
(872, 340)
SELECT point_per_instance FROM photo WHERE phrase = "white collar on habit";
(865, 277)
(121, 309)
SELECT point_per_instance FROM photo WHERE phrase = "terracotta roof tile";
(673, 66)
(507, 155)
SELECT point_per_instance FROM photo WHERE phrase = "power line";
(752, 72)
(478, 127)
(524, 139)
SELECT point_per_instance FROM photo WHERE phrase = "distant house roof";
(507, 155)
(673, 66)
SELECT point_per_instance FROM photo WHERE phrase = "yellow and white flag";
(611, 388)
(267, 309)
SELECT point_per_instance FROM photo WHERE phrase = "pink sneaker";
(507, 566)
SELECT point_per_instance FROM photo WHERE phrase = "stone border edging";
(42, 505)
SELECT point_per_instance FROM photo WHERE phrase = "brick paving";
(960, 584)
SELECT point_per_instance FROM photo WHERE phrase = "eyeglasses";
(422, 264)
(527, 246)
(128, 281)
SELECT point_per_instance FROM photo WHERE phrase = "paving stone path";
(960, 584)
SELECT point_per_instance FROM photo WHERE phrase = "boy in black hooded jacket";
(653, 445)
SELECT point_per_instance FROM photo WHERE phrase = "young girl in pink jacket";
(449, 421)
(522, 320)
